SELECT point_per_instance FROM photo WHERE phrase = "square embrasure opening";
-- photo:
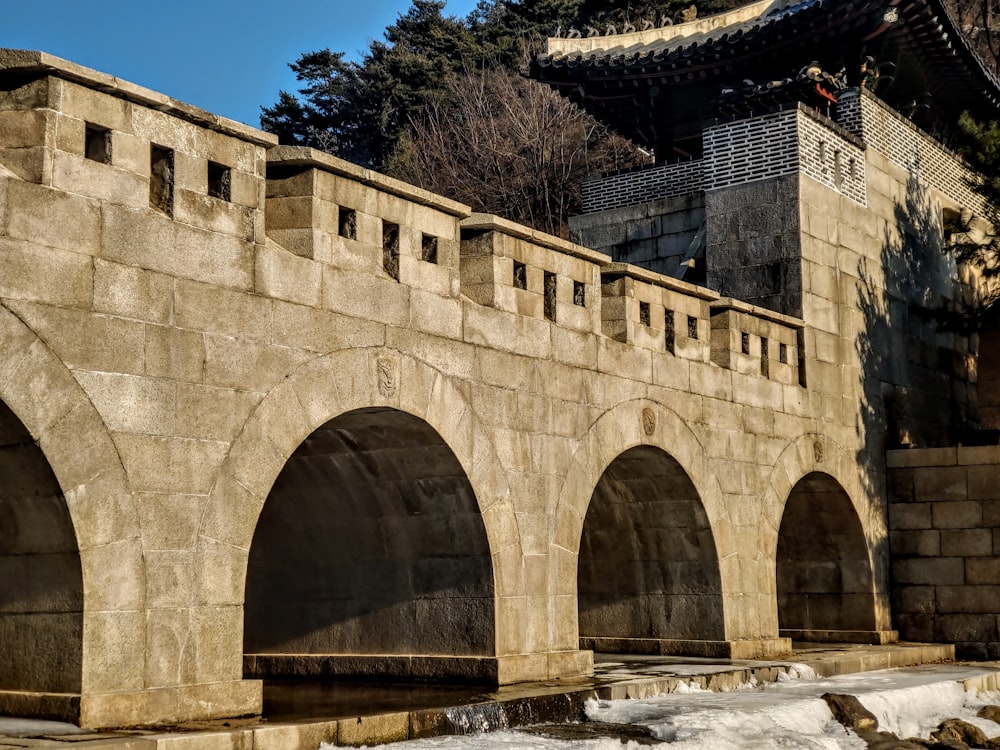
(347, 223)
(220, 180)
(390, 248)
(520, 279)
(644, 313)
(429, 248)
(161, 178)
(97, 143)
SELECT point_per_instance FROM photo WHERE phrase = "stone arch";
(90, 630)
(823, 570)
(370, 542)
(655, 430)
(648, 565)
(315, 393)
(825, 537)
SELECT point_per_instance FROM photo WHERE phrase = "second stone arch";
(649, 577)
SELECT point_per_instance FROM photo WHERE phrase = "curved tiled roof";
(646, 82)
(681, 41)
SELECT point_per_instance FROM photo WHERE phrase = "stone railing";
(656, 312)
(755, 341)
(538, 277)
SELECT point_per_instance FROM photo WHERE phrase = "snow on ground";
(787, 715)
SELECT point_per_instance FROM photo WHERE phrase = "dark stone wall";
(655, 236)
(752, 249)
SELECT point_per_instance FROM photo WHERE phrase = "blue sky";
(227, 56)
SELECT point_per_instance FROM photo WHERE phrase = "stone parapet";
(28, 63)
(511, 268)
(280, 404)
(756, 341)
(656, 312)
(353, 219)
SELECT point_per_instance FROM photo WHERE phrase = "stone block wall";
(756, 341)
(513, 269)
(197, 353)
(664, 236)
(944, 537)
(752, 247)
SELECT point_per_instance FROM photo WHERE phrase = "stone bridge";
(267, 413)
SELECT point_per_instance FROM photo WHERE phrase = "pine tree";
(980, 246)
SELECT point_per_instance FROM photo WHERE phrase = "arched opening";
(648, 567)
(370, 542)
(824, 575)
(41, 581)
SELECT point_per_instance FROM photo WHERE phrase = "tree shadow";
(917, 371)
(917, 368)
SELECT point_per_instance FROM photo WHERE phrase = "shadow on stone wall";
(916, 372)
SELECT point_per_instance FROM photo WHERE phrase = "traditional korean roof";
(659, 85)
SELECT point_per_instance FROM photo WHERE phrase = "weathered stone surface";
(989, 712)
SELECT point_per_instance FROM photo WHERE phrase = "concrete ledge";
(766, 648)
(871, 637)
(50, 706)
(617, 270)
(310, 158)
(827, 661)
(509, 707)
(987, 682)
(730, 303)
(20, 62)
(486, 670)
(172, 705)
(419, 668)
(138, 708)
(479, 222)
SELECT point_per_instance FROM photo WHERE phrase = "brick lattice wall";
(739, 153)
(944, 532)
(892, 135)
(832, 159)
(642, 185)
(758, 148)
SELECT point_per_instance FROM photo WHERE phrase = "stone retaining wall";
(944, 521)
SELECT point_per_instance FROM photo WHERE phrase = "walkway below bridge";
(303, 715)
